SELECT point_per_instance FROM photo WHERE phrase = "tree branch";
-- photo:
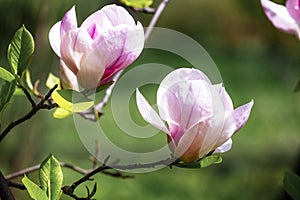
(33, 104)
(5, 192)
(65, 165)
(31, 113)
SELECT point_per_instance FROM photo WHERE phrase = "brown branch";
(27, 94)
(5, 192)
(30, 114)
(65, 165)
(69, 190)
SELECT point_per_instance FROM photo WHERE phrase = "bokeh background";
(256, 62)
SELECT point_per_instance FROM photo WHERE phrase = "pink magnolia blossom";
(285, 18)
(197, 116)
(106, 42)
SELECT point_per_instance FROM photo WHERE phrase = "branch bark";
(35, 108)
(5, 192)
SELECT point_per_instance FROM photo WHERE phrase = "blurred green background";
(256, 62)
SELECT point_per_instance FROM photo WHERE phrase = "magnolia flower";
(107, 41)
(285, 18)
(197, 116)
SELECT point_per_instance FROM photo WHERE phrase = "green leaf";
(6, 91)
(204, 162)
(51, 177)
(291, 183)
(20, 51)
(138, 3)
(52, 80)
(61, 113)
(35, 192)
(210, 160)
(71, 100)
(6, 75)
(191, 165)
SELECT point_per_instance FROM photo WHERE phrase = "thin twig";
(33, 104)
(65, 165)
(155, 18)
(16, 185)
(147, 10)
(30, 114)
(95, 158)
(70, 189)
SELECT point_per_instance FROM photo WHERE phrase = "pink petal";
(194, 100)
(227, 102)
(54, 38)
(170, 111)
(279, 16)
(100, 19)
(196, 142)
(149, 114)
(180, 75)
(67, 77)
(73, 45)
(68, 22)
(118, 15)
(241, 114)
(120, 46)
(175, 87)
(91, 69)
(293, 7)
(228, 129)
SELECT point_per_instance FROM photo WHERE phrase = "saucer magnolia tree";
(197, 116)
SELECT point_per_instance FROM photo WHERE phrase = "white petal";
(148, 113)
(224, 147)
(54, 38)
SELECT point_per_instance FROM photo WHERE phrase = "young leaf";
(20, 50)
(6, 75)
(210, 160)
(204, 162)
(35, 192)
(6, 91)
(51, 177)
(138, 3)
(291, 183)
(52, 80)
(71, 100)
(28, 80)
(61, 113)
